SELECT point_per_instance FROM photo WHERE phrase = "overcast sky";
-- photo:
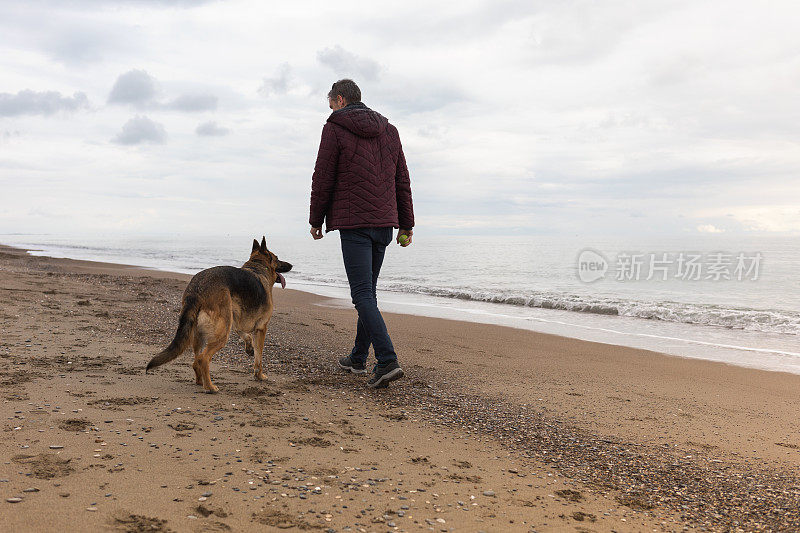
(584, 117)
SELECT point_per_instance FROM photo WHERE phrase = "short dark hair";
(347, 89)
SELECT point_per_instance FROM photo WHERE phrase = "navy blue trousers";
(363, 250)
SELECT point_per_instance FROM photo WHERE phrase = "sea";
(733, 299)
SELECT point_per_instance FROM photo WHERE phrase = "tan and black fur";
(224, 298)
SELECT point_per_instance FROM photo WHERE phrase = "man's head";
(342, 93)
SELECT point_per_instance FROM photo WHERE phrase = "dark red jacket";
(360, 179)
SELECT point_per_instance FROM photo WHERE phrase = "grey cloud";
(84, 4)
(211, 129)
(139, 130)
(665, 181)
(81, 43)
(346, 63)
(193, 102)
(446, 26)
(674, 70)
(420, 97)
(30, 102)
(433, 131)
(77, 47)
(138, 88)
(278, 84)
(559, 37)
(134, 87)
(72, 37)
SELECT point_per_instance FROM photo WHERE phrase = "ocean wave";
(781, 321)
(761, 320)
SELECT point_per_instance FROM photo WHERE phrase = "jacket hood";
(360, 120)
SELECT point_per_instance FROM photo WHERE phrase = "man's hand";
(408, 233)
(316, 233)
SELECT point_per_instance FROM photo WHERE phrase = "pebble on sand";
(13, 500)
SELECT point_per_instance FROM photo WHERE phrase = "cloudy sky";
(547, 117)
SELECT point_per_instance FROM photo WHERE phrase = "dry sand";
(493, 429)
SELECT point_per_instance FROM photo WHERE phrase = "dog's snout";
(284, 267)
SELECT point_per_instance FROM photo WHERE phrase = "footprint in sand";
(45, 465)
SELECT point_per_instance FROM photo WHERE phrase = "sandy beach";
(492, 429)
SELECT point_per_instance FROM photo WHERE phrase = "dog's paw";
(260, 376)
(214, 389)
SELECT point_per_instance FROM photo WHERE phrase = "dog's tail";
(179, 344)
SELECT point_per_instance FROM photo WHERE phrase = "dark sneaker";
(384, 374)
(348, 364)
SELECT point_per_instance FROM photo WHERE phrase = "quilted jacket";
(360, 178)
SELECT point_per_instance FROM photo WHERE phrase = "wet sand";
(493, 428)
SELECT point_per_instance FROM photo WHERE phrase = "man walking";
(361, 187)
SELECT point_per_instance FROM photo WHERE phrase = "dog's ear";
(264, 244)
(255, 246)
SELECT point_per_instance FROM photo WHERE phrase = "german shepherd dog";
(222, 298)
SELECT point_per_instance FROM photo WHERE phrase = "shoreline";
(607, 421)
(693, 341)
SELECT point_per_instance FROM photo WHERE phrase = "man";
(361, 187)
